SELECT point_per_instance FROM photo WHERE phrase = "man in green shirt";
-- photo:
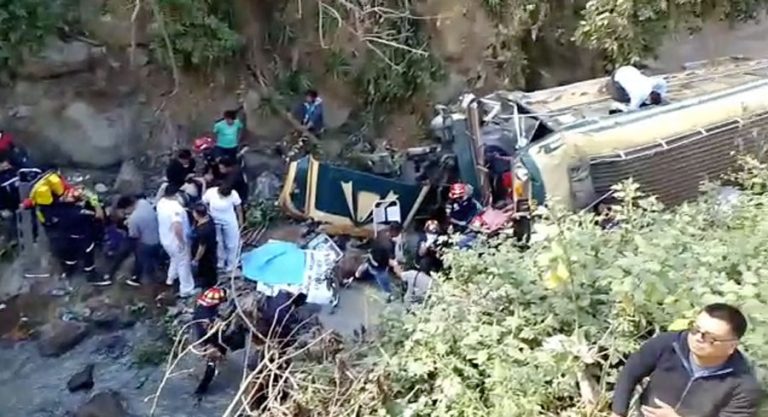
(229, 132)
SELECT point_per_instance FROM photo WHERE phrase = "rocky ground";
(92, 354)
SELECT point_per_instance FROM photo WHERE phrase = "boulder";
(60, 58)
(82, 380)
(77, 132)
(60, 337)
(103, 404)
(129, 180)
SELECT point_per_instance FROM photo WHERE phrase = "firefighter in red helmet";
(461, 207)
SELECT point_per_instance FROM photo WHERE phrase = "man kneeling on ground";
(695, 373)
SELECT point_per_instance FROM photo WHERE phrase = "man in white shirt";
(632, 90)
(173, 226)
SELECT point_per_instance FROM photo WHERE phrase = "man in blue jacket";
(310, 113)
(696, 373)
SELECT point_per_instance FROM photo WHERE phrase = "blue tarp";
(275, 263)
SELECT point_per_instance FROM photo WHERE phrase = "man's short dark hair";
(311, 93)
(170, 190)
(227, 161)
(655, 97)
(395, 227)
(729, 314)
(230, 114)
(125, 202)
(200, 209)
(184, 154)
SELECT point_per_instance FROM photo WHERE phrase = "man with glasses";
(695, 373)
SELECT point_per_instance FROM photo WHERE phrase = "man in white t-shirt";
(225, 207)
(632, 90)
(173, 226)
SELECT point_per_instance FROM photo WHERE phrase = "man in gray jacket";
(695, 373)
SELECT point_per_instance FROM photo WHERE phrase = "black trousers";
(74, 249)
(206, 275)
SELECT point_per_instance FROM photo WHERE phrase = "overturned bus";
(565, 143)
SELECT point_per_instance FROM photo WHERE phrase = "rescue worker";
(632, 90)
(310, 113)
(461, 207)
(225, 206)
(72, 220)
(204, 322)
(174, 230)
(204, 248)
(427, 257)
(229, 133)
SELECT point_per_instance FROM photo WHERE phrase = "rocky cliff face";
(97, 100)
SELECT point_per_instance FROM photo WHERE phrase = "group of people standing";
(197, 217)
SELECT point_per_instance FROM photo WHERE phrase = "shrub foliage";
(544, 332)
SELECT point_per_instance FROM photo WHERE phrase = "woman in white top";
(225, 207)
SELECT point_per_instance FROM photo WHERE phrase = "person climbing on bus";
(310, 113)
(632, 90)
(461, 207)
(229, 132)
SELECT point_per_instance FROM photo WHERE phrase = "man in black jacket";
(695, 373)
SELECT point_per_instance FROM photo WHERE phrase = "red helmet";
(212, 297)
(458, 190)
(203, 143)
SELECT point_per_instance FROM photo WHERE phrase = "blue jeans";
(382, 277)
(147, 259)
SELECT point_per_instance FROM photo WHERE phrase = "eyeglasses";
(706, 336)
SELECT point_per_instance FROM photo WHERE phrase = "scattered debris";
(81, 381)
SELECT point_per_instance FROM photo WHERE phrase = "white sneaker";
(169, 282)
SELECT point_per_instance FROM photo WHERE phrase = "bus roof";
(588, 101)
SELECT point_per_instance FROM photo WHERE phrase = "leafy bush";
(544, 332)
(26, 25)
(629, 31)
(201, 33)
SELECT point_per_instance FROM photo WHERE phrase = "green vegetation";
(201, 33)
(26, 24)
(544, 332)
(629, 31)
